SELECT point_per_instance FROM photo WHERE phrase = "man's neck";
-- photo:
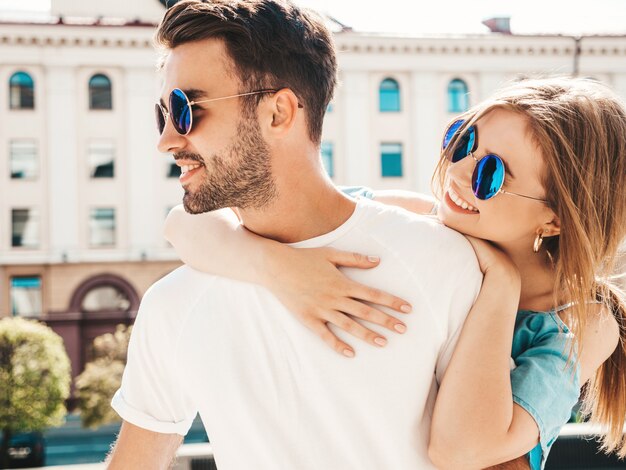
(307, 206)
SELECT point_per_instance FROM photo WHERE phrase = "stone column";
(62, 151)
(355, 128)
(427, 101)
(143, 162)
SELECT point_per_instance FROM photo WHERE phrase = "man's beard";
(241, 176)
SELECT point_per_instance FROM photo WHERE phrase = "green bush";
(102, 377)
(34, 379)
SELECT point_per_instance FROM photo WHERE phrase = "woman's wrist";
(503, 285)
(266, 261)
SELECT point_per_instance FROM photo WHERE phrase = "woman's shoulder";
(598, 338)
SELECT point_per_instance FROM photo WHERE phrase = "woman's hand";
(308, 282)
(492, 259)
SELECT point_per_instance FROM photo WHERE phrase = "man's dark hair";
(272, 43)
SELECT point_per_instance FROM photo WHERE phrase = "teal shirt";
(545, 380)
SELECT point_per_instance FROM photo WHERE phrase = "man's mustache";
(188, 156)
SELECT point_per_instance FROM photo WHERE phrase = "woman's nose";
(461, 171)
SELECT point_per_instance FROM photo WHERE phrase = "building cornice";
(482, 45)
(137, 35)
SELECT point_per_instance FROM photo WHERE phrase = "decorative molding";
(139, 42)
(356, 43)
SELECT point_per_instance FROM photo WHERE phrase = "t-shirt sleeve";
(151, 395)
(356, 191)
(545, 383)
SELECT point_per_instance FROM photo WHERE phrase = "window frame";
(12, 105)
(397, 91)
(382, 159)
(36, 155)
(94, 144)
(91, 227)
(39, 287)
(91, 88)
(465, 96)
(32, 212)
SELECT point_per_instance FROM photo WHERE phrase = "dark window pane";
(458, 101)
(391, 160)
(100, 96)
(25, 228)
(101, 159)
(389, 96)
(21, 91)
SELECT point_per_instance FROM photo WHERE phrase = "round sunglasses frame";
(455, 126)
(167, 115)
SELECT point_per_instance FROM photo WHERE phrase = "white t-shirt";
(272, 394)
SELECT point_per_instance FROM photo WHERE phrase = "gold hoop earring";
(538, 242)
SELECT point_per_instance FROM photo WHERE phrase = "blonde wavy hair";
(579, 126)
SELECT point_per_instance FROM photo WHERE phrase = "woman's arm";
(409, 200)
(476, 393)
(477, 387)
(307, 281)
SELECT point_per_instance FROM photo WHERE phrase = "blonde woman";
(535, 177)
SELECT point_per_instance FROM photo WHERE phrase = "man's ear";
(283, 110)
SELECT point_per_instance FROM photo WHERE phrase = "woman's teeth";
(460, 202)
(186, 168)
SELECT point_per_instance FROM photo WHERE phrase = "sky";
(415, 17)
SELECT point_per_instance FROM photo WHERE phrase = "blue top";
(545, 379)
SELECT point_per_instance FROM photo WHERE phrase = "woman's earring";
(538, 242)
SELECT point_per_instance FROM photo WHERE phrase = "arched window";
(105, 292)
(389, 96)
(458, 101)
(21, 91)
(100, 96)
(105, 297)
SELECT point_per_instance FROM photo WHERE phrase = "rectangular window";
(101, 159)
(23, 160)
(327, 158)
(391, 159)
(25, 228)
(102, 227)
(26, 296)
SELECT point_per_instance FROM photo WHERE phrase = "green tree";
(34, 379)
(97, 384)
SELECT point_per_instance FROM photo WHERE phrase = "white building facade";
(84, 192)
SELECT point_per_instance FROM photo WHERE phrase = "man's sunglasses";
(489, 171)
(180, 110)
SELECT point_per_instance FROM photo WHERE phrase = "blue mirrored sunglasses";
(181, 112)
(489, 172)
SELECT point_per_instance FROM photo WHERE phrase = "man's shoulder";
(415, 234)
(178, 291)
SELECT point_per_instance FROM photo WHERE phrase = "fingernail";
(373, 259)
(348, 352)
(406, 308)
(400, 328)
(380, 341)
